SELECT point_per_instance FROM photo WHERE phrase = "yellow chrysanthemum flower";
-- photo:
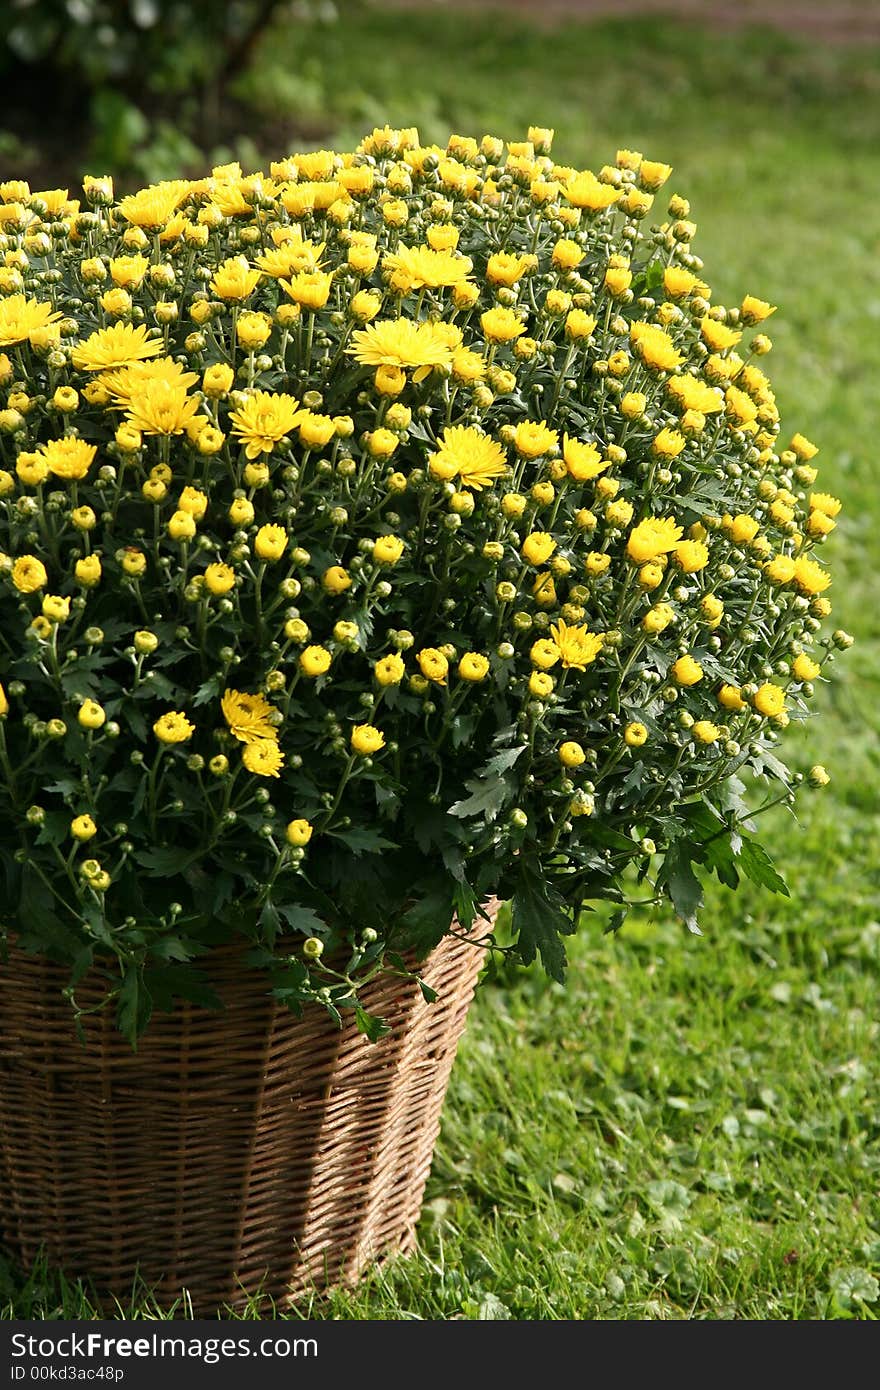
(693, 394)
(389, 670)
(466, 453)
(422, 267)
(270, 542)
(532, 438)
(21, 317)
(506, 267)
(678, 282)
(825, 503)
(69, 458)
(173, 727)
(125, 381)
(571, 754)
(655, 347)
(803, 447)
(401, 343)
(310, 289)
(652, 537)
(582, 461)
(537, 547)
(584, 190)
(158, 407)
(769, 699)
(810, 576)
(577, 646)
(235, 280)
(473, 667)
(433, 664)
(219, 578)
(730, 697)
(127, 272)
(718, 336)
(116, 346)
(263, 757)
(687, 671)
(263, 421)
(292, 257)
(151, 208)
(755, 310)
(691, 556)
(803, 668)
(366, 739)
(29, 574)
(248, 716)
(501, 325)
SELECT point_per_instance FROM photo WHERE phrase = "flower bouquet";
(380, 535)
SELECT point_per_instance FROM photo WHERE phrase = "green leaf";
(465, 903)
(94, 916)
(720, 856)
(462, 729)
(852, 1285)
(208, 690)
(488, 795)
(429, 994)
(615, 921)
(55, 828)
(370, 1025)
(38, 924)
(302, 919)
(431, 826)
(134, 1006)
(158, 688)
(360, 840)
(171, 948)
(136, 721)
(79, 684)
(757, 865)
(167, 983)
(65, 786)
(766, 763)
(427, 921)
(387, 800)
(270, 922)
(650, 277)
(538, 919)
(684, 888)
(82, 965)
(164, 860)
(503, 761)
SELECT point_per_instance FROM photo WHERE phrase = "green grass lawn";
(690, 1129)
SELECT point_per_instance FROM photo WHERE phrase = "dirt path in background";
(830, 21)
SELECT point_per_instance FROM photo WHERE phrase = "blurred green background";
(690, 1128)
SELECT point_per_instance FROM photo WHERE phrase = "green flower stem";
(337, 356)
(282, 859)
(5, 762)
(453, 704)
(639, 643)
(310, 334)
(560, 377)
(326, 819)
(153, 789)
(610, 763)
(75, 913)
(67, 864)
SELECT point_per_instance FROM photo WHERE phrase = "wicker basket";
(236, 1152)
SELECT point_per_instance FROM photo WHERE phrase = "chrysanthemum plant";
(380, 534)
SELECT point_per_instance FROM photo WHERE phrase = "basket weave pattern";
(235, 1152)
